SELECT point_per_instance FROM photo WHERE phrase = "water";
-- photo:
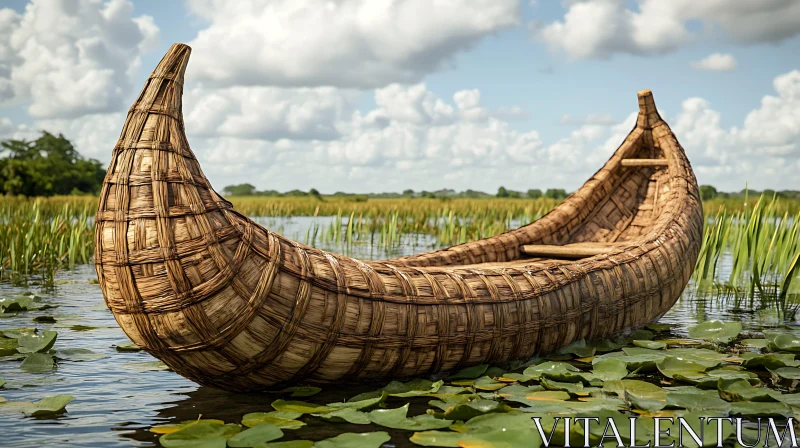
(117, 401)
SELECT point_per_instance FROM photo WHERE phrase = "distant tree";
(47, 166)
(514, 194)
(408, 192)
(427, 194)
(239, 190)
(535, 193)
(555, 193)
(707, 192)
(295, 192)
(502, 192)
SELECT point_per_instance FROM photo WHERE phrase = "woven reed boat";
(230, 304)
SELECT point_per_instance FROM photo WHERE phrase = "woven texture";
(230, 304)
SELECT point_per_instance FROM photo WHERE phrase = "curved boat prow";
(227, 303)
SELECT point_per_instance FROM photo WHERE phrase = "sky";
(385, 95)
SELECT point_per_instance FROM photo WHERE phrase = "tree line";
(250, 190)
(50, 165)
(47, 166)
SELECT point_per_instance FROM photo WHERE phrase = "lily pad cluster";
(649, 374)
(35, 349)
(23, 302)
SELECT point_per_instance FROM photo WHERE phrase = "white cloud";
(92, 135)
(413, 139)
(765, 151)
(774, 129)
(269, 113)
(8, 130)
(601, 28)
(70, 58)
(717, 62)
(348, 43)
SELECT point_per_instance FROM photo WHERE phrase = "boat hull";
(229, 304)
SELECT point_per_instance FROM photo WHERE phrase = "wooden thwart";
(569, 252)
(644, 162)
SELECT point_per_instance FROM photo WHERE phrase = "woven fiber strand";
(229, 304)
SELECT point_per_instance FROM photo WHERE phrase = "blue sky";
(529, 94)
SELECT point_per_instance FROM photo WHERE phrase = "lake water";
(118, 398)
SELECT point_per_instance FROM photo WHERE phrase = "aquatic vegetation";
(38, 237)
(463, 411)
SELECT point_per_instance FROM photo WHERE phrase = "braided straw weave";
(227, 303)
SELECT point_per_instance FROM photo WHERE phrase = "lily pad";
(639, 359)
(300, 407)
(716, 331)
(44, 319)
(578, 348)
(659, 327)
(469, 372)
(652, 345)
(8, 347)
(77, 354)
(255, 436)
(175, 427)
(785, 342)
(697, 400)
(200, 434)
(417, 387)
(470, 409)
(606, 370)
(550, 367)
(397, 419)
(361, 404)
(707, 358)
(38, 362)
(672, 366)
(148, 366)
(127, 347)
(787, 373)
(769, 360)
(574, 389)
(48, 405)
(302, 391)
(15, 333)
(741, 390)
(637, 387)
(348, 415)
(354, 440)
(79, 327)
(754, 343)
(288, 444)
(31, 343)
(487, 383)
(760, 409)
(283, 420)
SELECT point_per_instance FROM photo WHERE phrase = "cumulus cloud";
(601, 28)
(765, 150)
(269, 113)
(415, 139)
(349, 43)
(716, 62)
(70, 58)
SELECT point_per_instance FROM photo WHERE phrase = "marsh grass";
(763, 243)
(759, 235)
(39, 237)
